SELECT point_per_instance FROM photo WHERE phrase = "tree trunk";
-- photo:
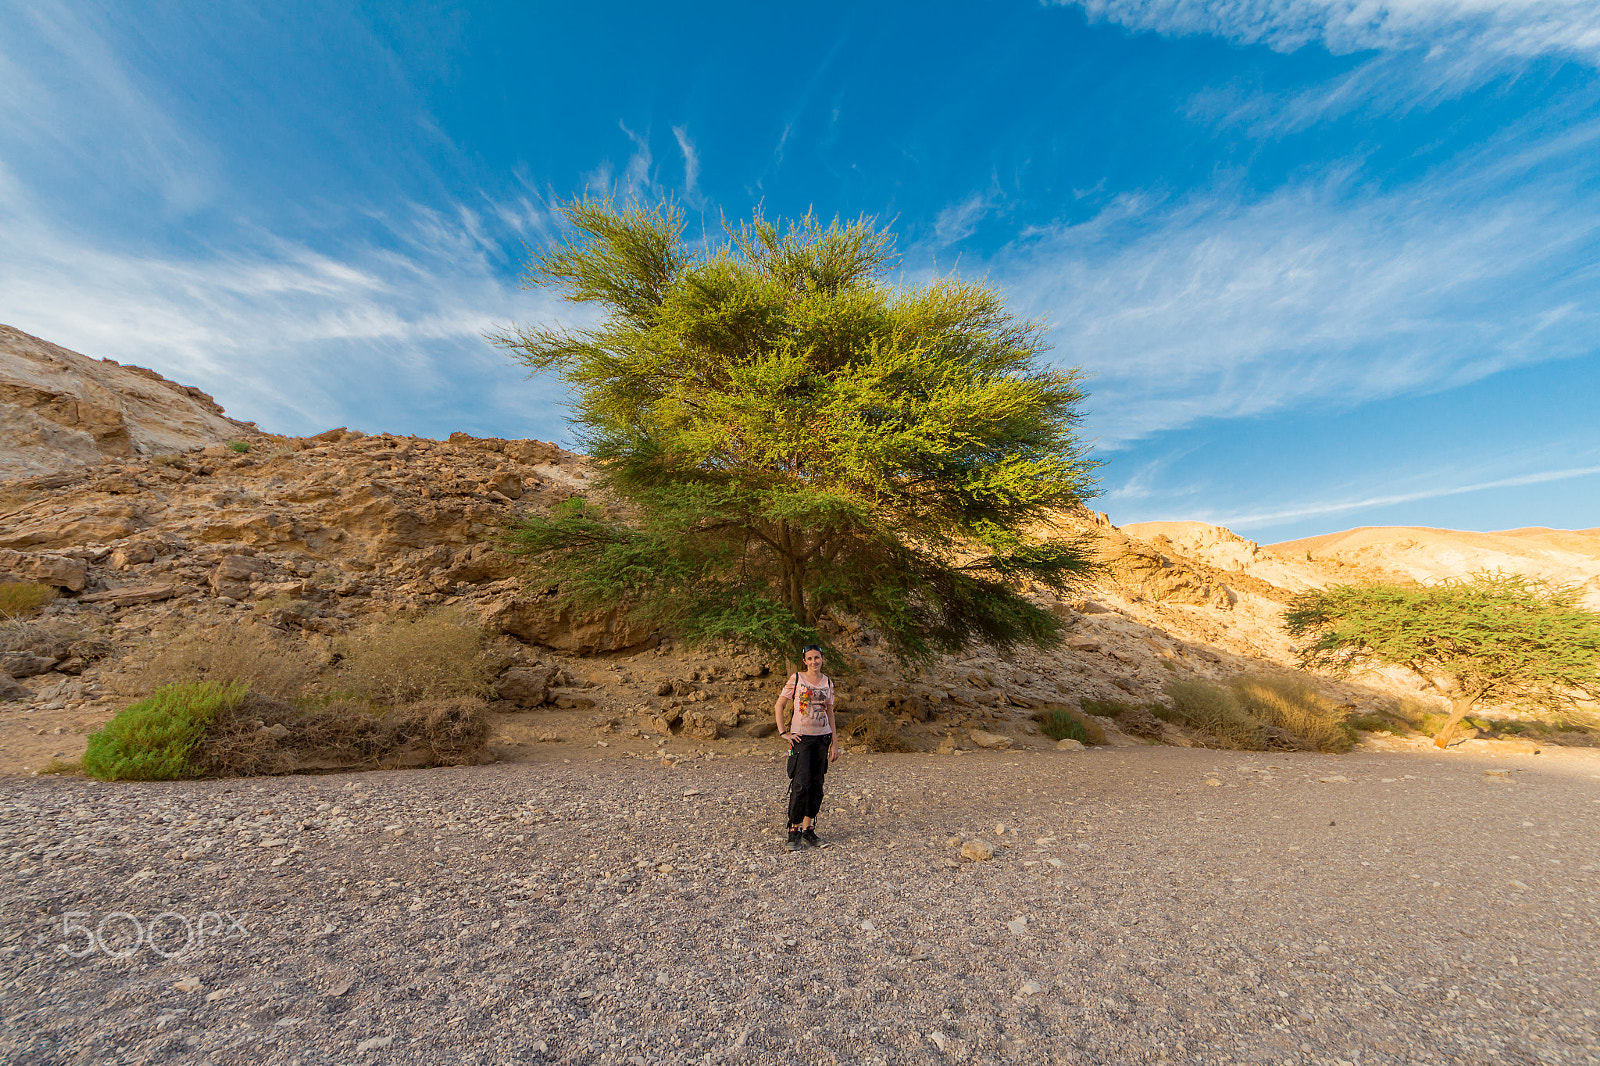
(1459, 706)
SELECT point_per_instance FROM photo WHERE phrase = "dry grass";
(55, 639)
(438, 656)
(342, 735)
(1293, 703)
(273, 664)
(873, 730)
(23, 599)
(1213, 709)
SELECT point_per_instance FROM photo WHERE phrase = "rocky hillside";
(63, 411)
(309, 537)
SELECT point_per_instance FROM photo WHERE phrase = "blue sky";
(1328, 262)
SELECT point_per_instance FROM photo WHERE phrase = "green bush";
(1215, 710)
(1293, 703)
(1062, 724)
(238, 446)
(152, 740)
(19, 599)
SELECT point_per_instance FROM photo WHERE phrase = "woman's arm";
(777, 712)
(833, 729)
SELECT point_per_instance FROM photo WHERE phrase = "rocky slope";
(63, 411)
(311, 536)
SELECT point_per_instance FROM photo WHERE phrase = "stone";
(12, 690)
(21, 664)
(1018, 925)
(977, 849)
(564, 629)
(701, 726)
(664, 689)
(57, 570)
(235, 574)
(277, 731)
(526, 686)
(132, 555)
(128, 597)
(373, 1044)
(188, 984)
(1030, 988)
(992, 741)
(1068, 744)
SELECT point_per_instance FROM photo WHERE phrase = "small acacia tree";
(783, 433)
(1493, 637)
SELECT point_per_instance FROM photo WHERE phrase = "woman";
(811, 737)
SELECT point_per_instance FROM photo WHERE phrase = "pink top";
(811, 709)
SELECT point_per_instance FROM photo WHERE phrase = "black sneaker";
(796, 840)
(810, 837)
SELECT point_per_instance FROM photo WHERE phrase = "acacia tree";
(783, 434)
(1491, 638)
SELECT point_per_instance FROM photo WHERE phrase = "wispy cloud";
(297, 338)
(691, 168)
(1222, 305)
(1323, 509)
(1517, 28)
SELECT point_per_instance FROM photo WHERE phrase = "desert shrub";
(1139, 719)
(1294, 704)
(55, 639)
(1062, 723)
(437, 656)
(1215, 710)
(152, 740)
(873, 730)
(58, 768)
(238, 446)
(269, 662)
(167, 459)
(266, 736)
(20, 599)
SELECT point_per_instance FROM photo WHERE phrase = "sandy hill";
(60, 410)
(164, 529)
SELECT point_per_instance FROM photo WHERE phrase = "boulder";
(235, 574)
(993, 741)
(21, 664)
(564, 629)
(526, 686)
(12, 690)
(57, 570)
(128, 597)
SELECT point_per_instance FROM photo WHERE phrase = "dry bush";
(269, 736)
(272, 663)
(21, 599)
(1136, 719)
(1213, 709)
(55, 639)
(873, 730)
(437, 656)
(1294, 704)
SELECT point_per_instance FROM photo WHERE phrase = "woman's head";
(812, 657)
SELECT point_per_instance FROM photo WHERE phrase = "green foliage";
(239, 446)
(1493, 637)
(1062, 724)
(1294, 704)
(784, 434)
(152, 740)
(19, 599)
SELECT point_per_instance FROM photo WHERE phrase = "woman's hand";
(833, 752)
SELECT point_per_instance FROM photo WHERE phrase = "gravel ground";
(1144, 905)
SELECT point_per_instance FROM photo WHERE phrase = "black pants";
(805, 790)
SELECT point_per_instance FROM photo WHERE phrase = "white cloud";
(387, 337)
(1222, 306)
(1321, 509)
(960, 220)
(1505, 27)
(691, 168)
